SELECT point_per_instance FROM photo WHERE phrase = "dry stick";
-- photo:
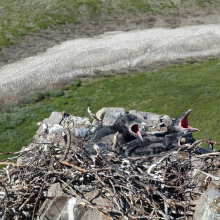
(67, 144)
(13, 164)
(145, 186)
(196, 143)
(36, 202)
(23, 151)
(9, 159)
(12, 153)
(113, 196)
(68, 186)
(74, 167)
(94, 116)
(99, 179)
(154, 176)
(211, 142)
(166, 209)
(209, 154)
(207, 174)
(141, 217)
(27, 200)
(86, 203)
(115, 141)
(6, 191)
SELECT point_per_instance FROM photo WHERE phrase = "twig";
(73, 166)
(94, 116)
(207, 174)
(35, 205)
(155, 176)
(147, 187)
(67, 144)
(13, 164)
(27, 200)
(115, 141)
(207, 155)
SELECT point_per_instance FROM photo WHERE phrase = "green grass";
(171, 91)
(21, 17)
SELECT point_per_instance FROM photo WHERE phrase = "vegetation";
(172, 91)
(20, 17)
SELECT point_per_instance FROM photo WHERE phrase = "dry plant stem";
(157, 177)
(208, 155)
(74, 167)
(207, 174)
(94, 116)
(36, 202)
(18, 152)
(13, 164)
(67, 144)
(115, 141)
(147, 187)
(27, 200)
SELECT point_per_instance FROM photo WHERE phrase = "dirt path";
(106, 52)
(41, 41)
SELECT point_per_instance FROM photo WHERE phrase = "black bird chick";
(128, 127)
(153, 144)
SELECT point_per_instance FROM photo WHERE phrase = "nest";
(163, 186)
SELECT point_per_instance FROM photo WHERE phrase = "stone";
(59, 205)
(155, 123)
(208, 206)
(110, 115)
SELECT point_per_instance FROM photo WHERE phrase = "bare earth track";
(42, 40)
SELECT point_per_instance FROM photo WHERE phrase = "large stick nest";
(163, 186)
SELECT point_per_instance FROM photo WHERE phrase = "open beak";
(181, 123)
(135, 130)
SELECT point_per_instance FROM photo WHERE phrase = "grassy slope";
(171, 91)
(21, 17)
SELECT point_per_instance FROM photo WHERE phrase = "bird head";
(130, 126)
(181, 124)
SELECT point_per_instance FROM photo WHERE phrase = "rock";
(109, 115)
(208, 206)
(155, 123)
(61, 206)
(54, 119)
(52, 129)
